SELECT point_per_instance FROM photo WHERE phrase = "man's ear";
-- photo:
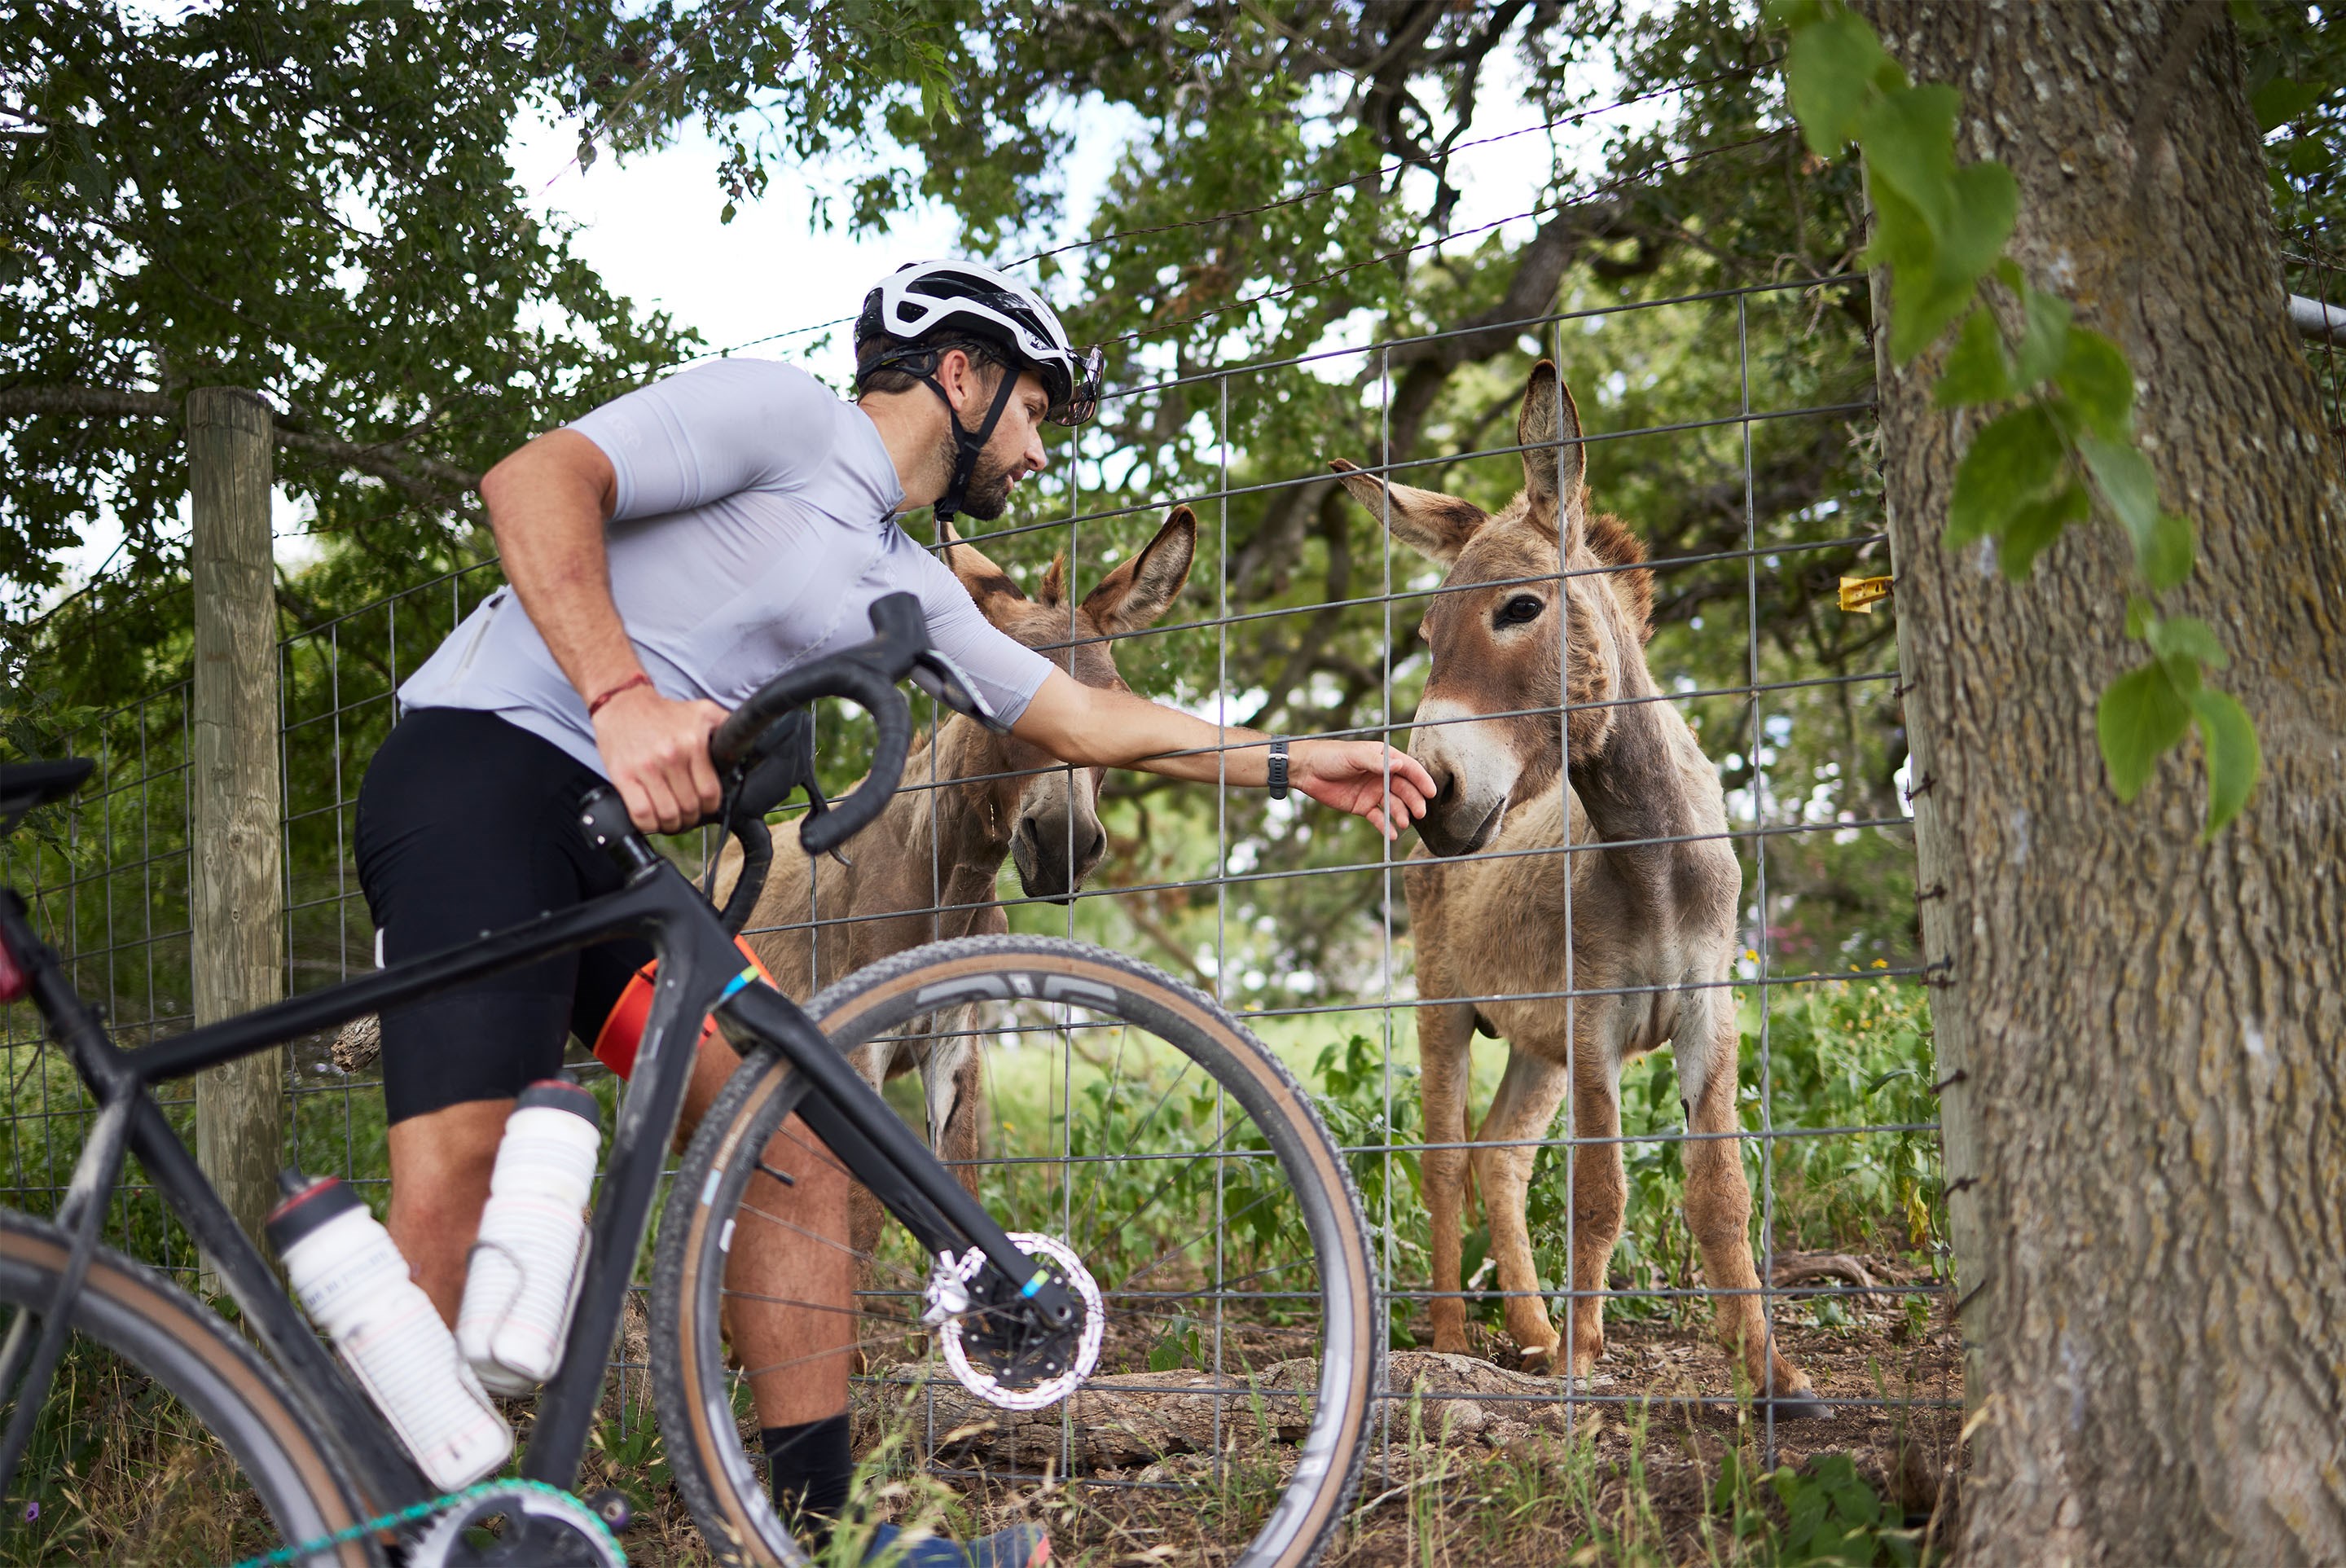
(987, 584)
(1433, 525)
(1140, 590)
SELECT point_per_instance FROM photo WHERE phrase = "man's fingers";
(666, 812)
(639, 805)
(701, 775)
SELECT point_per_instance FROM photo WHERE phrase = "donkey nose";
(1446, 784)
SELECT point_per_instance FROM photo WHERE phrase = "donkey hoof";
(1803, 1405)
(1539, 1360)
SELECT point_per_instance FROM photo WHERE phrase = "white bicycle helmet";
(923, 298)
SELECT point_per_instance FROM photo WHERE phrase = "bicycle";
(1256, 1435)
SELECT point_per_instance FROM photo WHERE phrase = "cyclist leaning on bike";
(668, 552)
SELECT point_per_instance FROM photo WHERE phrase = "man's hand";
(656, 755)
(1354, 775)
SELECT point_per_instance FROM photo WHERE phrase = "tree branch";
(426, 478)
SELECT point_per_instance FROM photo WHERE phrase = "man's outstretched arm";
(1093, 727)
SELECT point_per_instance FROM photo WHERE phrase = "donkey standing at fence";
(924, 870)
(1651, 917)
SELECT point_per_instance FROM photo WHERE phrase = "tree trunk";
(2146, 1147)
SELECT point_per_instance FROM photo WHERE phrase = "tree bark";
(236, 902)
(2147, 1142)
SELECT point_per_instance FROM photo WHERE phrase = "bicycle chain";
(415, 1512)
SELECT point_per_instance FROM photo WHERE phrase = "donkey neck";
(1631, 791)
(962, 831)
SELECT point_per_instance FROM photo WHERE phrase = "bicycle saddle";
(25, 785)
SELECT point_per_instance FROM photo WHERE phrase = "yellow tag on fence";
(1858, 594)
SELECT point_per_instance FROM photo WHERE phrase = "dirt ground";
(1476, 1464)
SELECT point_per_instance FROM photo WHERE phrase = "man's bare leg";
(440, 1165)
(791, 1314)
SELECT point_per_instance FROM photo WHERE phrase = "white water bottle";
(353, 1283)
(521, 1284)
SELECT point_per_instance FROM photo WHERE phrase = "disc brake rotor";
(997, 1350)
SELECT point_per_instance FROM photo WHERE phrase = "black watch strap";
(1278, 778)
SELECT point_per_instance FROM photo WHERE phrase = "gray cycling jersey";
(755, 527)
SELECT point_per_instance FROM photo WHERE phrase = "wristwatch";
(1278, 778)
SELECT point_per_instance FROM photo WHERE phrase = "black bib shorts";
(468, 825)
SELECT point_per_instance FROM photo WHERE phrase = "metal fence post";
(236, 890)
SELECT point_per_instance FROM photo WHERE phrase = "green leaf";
(2140, 717)
(2043, 335)
(2234, 759)
(2140, 616)
(1828, 72)
(1910, 146)
(2186, 636)
(2035, 524)
(2283, 99)
(2012, 461)
(1922, 300)
(2098, 382)
(1977, 369)
(1723, 1492)
(2166, 557)
(1980, 211)
(2124, 477)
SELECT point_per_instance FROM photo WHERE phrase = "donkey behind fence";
(1649, 910)
(925, 870)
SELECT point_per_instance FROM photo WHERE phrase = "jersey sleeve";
(711, 431)
(1006, 671)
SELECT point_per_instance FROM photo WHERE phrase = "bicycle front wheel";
(1137, 1121)
(164, 1439)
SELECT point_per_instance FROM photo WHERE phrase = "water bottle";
(522, 1283)
(353, 1283)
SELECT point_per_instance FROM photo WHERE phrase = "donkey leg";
(1599, 1199)
(1521, 1111)
(950, 1080)
(1446, 1035)
(1719, 1213)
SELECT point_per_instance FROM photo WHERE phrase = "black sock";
(808, 1469)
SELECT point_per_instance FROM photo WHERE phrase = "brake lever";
(936, 674)
(817, 804)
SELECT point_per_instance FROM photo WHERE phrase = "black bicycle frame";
(700, 973)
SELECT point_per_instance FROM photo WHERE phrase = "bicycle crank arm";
(765, 1013)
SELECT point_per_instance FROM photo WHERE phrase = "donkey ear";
(1550, 416)
(988, 584)
(1138, 591)
(1428, 522)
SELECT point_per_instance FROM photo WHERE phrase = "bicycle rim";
(163, 1439)
(1225, 1416)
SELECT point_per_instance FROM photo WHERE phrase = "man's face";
(1015, 448)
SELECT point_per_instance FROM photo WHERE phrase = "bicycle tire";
(699, 1400)
(132, 1313)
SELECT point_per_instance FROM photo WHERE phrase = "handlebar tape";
(865, 676)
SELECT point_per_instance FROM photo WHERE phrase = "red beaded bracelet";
(633, 681)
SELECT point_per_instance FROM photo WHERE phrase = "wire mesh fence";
(1739, 457)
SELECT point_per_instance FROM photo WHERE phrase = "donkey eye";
(1521, 608)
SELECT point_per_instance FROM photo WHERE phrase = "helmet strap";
(967, 445)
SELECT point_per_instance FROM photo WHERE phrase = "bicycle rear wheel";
(1139, 1123)
(163, 1439)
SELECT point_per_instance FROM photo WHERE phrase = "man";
(667, 554)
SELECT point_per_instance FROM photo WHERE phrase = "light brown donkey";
(924, 870)
(1652, 914)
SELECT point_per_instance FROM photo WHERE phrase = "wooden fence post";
(236, 902)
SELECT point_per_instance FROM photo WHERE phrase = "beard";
(987, 494)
